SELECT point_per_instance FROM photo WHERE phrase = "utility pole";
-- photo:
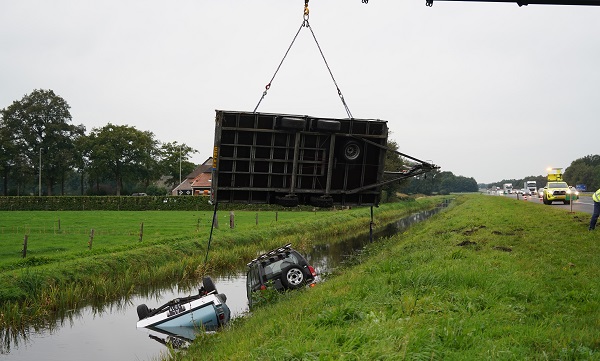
(40, 175)
(179, 164)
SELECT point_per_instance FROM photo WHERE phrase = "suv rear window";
(279, 265)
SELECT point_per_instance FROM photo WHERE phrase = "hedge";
(105, 203)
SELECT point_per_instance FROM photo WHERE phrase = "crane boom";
(532, 2)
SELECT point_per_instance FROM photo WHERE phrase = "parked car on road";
(281, 268)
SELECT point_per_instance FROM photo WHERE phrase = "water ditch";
(110, 332)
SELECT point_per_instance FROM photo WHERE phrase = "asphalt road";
(583, 204)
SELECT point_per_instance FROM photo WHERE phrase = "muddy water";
(111, 333)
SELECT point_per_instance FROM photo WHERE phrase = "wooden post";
(231, 220)
(91, 239)
(276, 216)
(141, 231)
(257, 218)
(198, 225)
(25, 246)
(58, 224)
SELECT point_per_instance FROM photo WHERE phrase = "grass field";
(491, 278)
(58, 236)
(60, 272)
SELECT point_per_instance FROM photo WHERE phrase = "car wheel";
(546, 201)
(142, 311)
(292, 277)
(209, 285)
(566, 202)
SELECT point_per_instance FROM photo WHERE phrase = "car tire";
(566, 202)
(292, 277)
(142, 311)
(546, 201)
(209, 285)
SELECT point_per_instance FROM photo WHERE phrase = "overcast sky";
(485, 90)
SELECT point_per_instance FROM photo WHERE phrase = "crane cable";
(306, 24)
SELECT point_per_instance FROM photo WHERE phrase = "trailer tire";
(322, 202)
(292, 123)
(351, 151)
(288, 201)
(328, 125)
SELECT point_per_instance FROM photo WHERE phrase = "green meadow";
(490, 278)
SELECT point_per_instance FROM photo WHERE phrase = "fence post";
(25, 246)
(58, 224)
(257, 218)
(141, 231)
(91, 239)
(276, 216)
(231, 220)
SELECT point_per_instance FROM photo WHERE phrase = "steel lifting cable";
(306, 24)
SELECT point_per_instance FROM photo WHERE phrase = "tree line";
(42, 152)
(585, 171)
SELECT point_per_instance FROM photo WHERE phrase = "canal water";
(110, 333)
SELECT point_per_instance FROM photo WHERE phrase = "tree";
(8, 154)
(174, 161)
(41, 129)
(584, 170)
(393, 163)
(124, 152)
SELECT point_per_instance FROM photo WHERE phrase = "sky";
(490, 91)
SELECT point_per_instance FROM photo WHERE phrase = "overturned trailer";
(301, 160)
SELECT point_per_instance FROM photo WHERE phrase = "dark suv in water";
(282, 268)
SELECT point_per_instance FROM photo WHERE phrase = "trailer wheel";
(288, 201)
(322, 202)
(292, 123)
(328, 125)
(351, 151)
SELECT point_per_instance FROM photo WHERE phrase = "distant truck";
(531, 186)
(507, 188)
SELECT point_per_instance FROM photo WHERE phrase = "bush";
(107, 203)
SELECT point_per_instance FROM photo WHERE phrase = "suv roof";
(271, 253)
